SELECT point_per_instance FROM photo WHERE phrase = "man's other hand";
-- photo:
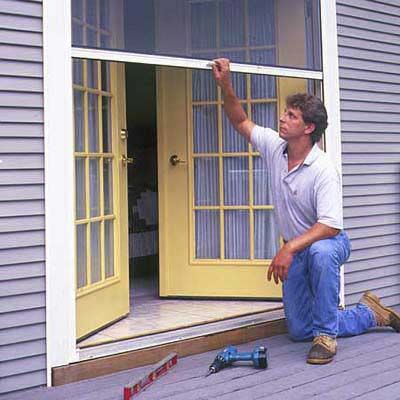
(222, 72)
(280, 265)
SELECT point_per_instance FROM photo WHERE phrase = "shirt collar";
(311, 156)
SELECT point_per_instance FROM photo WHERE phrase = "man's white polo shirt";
(309, 193)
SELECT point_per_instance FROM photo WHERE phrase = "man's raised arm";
(233, 109)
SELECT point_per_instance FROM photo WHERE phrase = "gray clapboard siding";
(20, 129)
(21, 38)
(9, 368)
(20, 224)
(20, 99)
(23, 381)
(22, 318)
(21, 239)
(22, 145)
(33, 176)
(22, 84)
(369, 48)
(22, 251)
(20, 271)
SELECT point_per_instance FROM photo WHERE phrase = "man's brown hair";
(313, 111)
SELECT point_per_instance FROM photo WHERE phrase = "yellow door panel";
(184, 268)
(102, 275)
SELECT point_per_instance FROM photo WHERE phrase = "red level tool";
(147, 379)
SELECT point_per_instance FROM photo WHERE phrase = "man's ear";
(309, 128)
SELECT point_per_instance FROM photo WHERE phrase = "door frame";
(59, 153)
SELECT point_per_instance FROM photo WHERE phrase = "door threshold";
(115, 357)
(104, 350)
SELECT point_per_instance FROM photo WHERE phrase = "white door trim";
(123, 56)
(59, 160)
(330, 66)
(59, 184)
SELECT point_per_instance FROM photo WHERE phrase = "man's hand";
(280, 264)
(222, 73)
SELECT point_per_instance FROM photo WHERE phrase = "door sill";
(119, 356)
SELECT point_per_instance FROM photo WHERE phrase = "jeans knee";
(321, 249)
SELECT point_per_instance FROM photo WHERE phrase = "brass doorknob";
(127, 160)
(175, 160)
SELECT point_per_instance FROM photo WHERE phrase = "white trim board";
(330, 66)
(59, 160)
(59, 184)
(123, 56)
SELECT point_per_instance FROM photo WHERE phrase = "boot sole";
(395, 316)
(319, 361)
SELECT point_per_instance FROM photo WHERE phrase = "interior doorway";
(141, 112)
(149, 312)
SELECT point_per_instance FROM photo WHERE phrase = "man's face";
(292, 125)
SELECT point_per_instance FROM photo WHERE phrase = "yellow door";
(102, 278)
(217, 235)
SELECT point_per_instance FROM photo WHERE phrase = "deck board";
(366, 367)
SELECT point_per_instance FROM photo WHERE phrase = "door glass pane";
(263, 86)
(80, 188)
(91, 37)
(77, 9)
(203, 86)
(95, 258)
(260, 182)
(94, 184)
(92, 74)
(108, 186)
(109, 247)
(203, 25)
(81, 245)
(237, 234)
(93, 123)
(91, 12)
(77, 32)
(206, 181)
(231, 23)
(236, 181)
(79, 121)
(105, 14)
(106, 121)
(265, 114)
(232, 142)
(77, 71)
(105, 76)
(262, 21)
(266, 238)
(207, 234)
(205, 129)
(196, 28)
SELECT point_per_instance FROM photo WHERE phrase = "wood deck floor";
(366, 367)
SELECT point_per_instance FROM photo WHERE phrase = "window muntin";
(260, 32)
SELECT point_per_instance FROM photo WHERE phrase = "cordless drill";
(227, 356)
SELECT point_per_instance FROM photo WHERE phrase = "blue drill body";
(229, 355)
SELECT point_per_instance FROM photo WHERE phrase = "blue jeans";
(311, 293)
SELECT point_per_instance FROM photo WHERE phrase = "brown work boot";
(384, 316)
(322, 351)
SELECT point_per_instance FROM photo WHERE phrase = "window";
(260, 32)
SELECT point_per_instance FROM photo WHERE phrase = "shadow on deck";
(366, 367)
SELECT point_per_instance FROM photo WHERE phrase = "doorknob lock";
(175, 160)
(127, 160)
(124, 134)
